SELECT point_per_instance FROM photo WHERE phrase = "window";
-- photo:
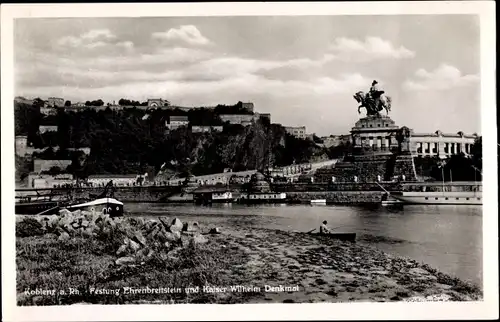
(378, 125)
(457, 198)
(370, 125)
(426, 198)
(446, 198)
(436, 198)
(466, 198)
(478, 198)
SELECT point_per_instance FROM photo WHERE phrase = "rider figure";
(375, 93)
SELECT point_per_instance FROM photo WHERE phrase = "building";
(49, 181)
(335, 140)
(40, 165)
(20, 99)
(241, 119)
(215, 178)
(296, 131)
(265, 116)
(202, 128)
(440, 144)
(156, 102)
(21, 145)
(175, 122)
(48, 111)
(120, 180)
(55, 101)
(248, 106)
(47, 128)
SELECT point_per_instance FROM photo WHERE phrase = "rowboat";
(351, 237)
(318, 202)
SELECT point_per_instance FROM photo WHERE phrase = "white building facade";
(175, 122)
(442, 145)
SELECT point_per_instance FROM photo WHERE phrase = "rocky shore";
(82, 257)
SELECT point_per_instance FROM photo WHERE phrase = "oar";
(310, 231)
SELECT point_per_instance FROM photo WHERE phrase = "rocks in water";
(139, 237)
(63, 236)
(418, 271)
(214, 231)
(200, 239)
(172, 237)
(65, 212)
(164, 222)
(125, 261)
(122, 250)
(134, 246)
(176, 225)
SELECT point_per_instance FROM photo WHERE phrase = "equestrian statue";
(374, 101)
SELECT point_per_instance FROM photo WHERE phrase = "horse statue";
(373, 106)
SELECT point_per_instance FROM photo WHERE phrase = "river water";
(448, 238)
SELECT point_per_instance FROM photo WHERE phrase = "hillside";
(122, 142)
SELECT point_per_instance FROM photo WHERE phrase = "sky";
(303, 70)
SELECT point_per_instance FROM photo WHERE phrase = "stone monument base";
(404, 167)
(380, 152)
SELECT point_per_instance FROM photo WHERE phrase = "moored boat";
(38, 204)
(36, 207)
(263, 197)
(436, 193)
(107, 206)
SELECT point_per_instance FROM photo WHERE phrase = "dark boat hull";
(33, 208)
(351, 237)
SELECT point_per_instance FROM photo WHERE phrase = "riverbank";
(132, 260)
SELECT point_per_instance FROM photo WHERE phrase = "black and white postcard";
(218, 161)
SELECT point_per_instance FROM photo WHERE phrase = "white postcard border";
(371, 311)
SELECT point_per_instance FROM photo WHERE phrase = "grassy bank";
(95, 262)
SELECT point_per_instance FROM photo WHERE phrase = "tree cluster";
(123, 142)
(98, 102)
(127, 102)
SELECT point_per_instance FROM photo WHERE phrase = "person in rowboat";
(323, 229)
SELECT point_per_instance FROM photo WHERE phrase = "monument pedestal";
(380, 152)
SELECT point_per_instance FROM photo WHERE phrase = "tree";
(476, 152)
(38, 102)
(317, 139)
(87, 103)
(67, 103)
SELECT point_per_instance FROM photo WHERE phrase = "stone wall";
(338, 186)
(338, 197)
(404, 166)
